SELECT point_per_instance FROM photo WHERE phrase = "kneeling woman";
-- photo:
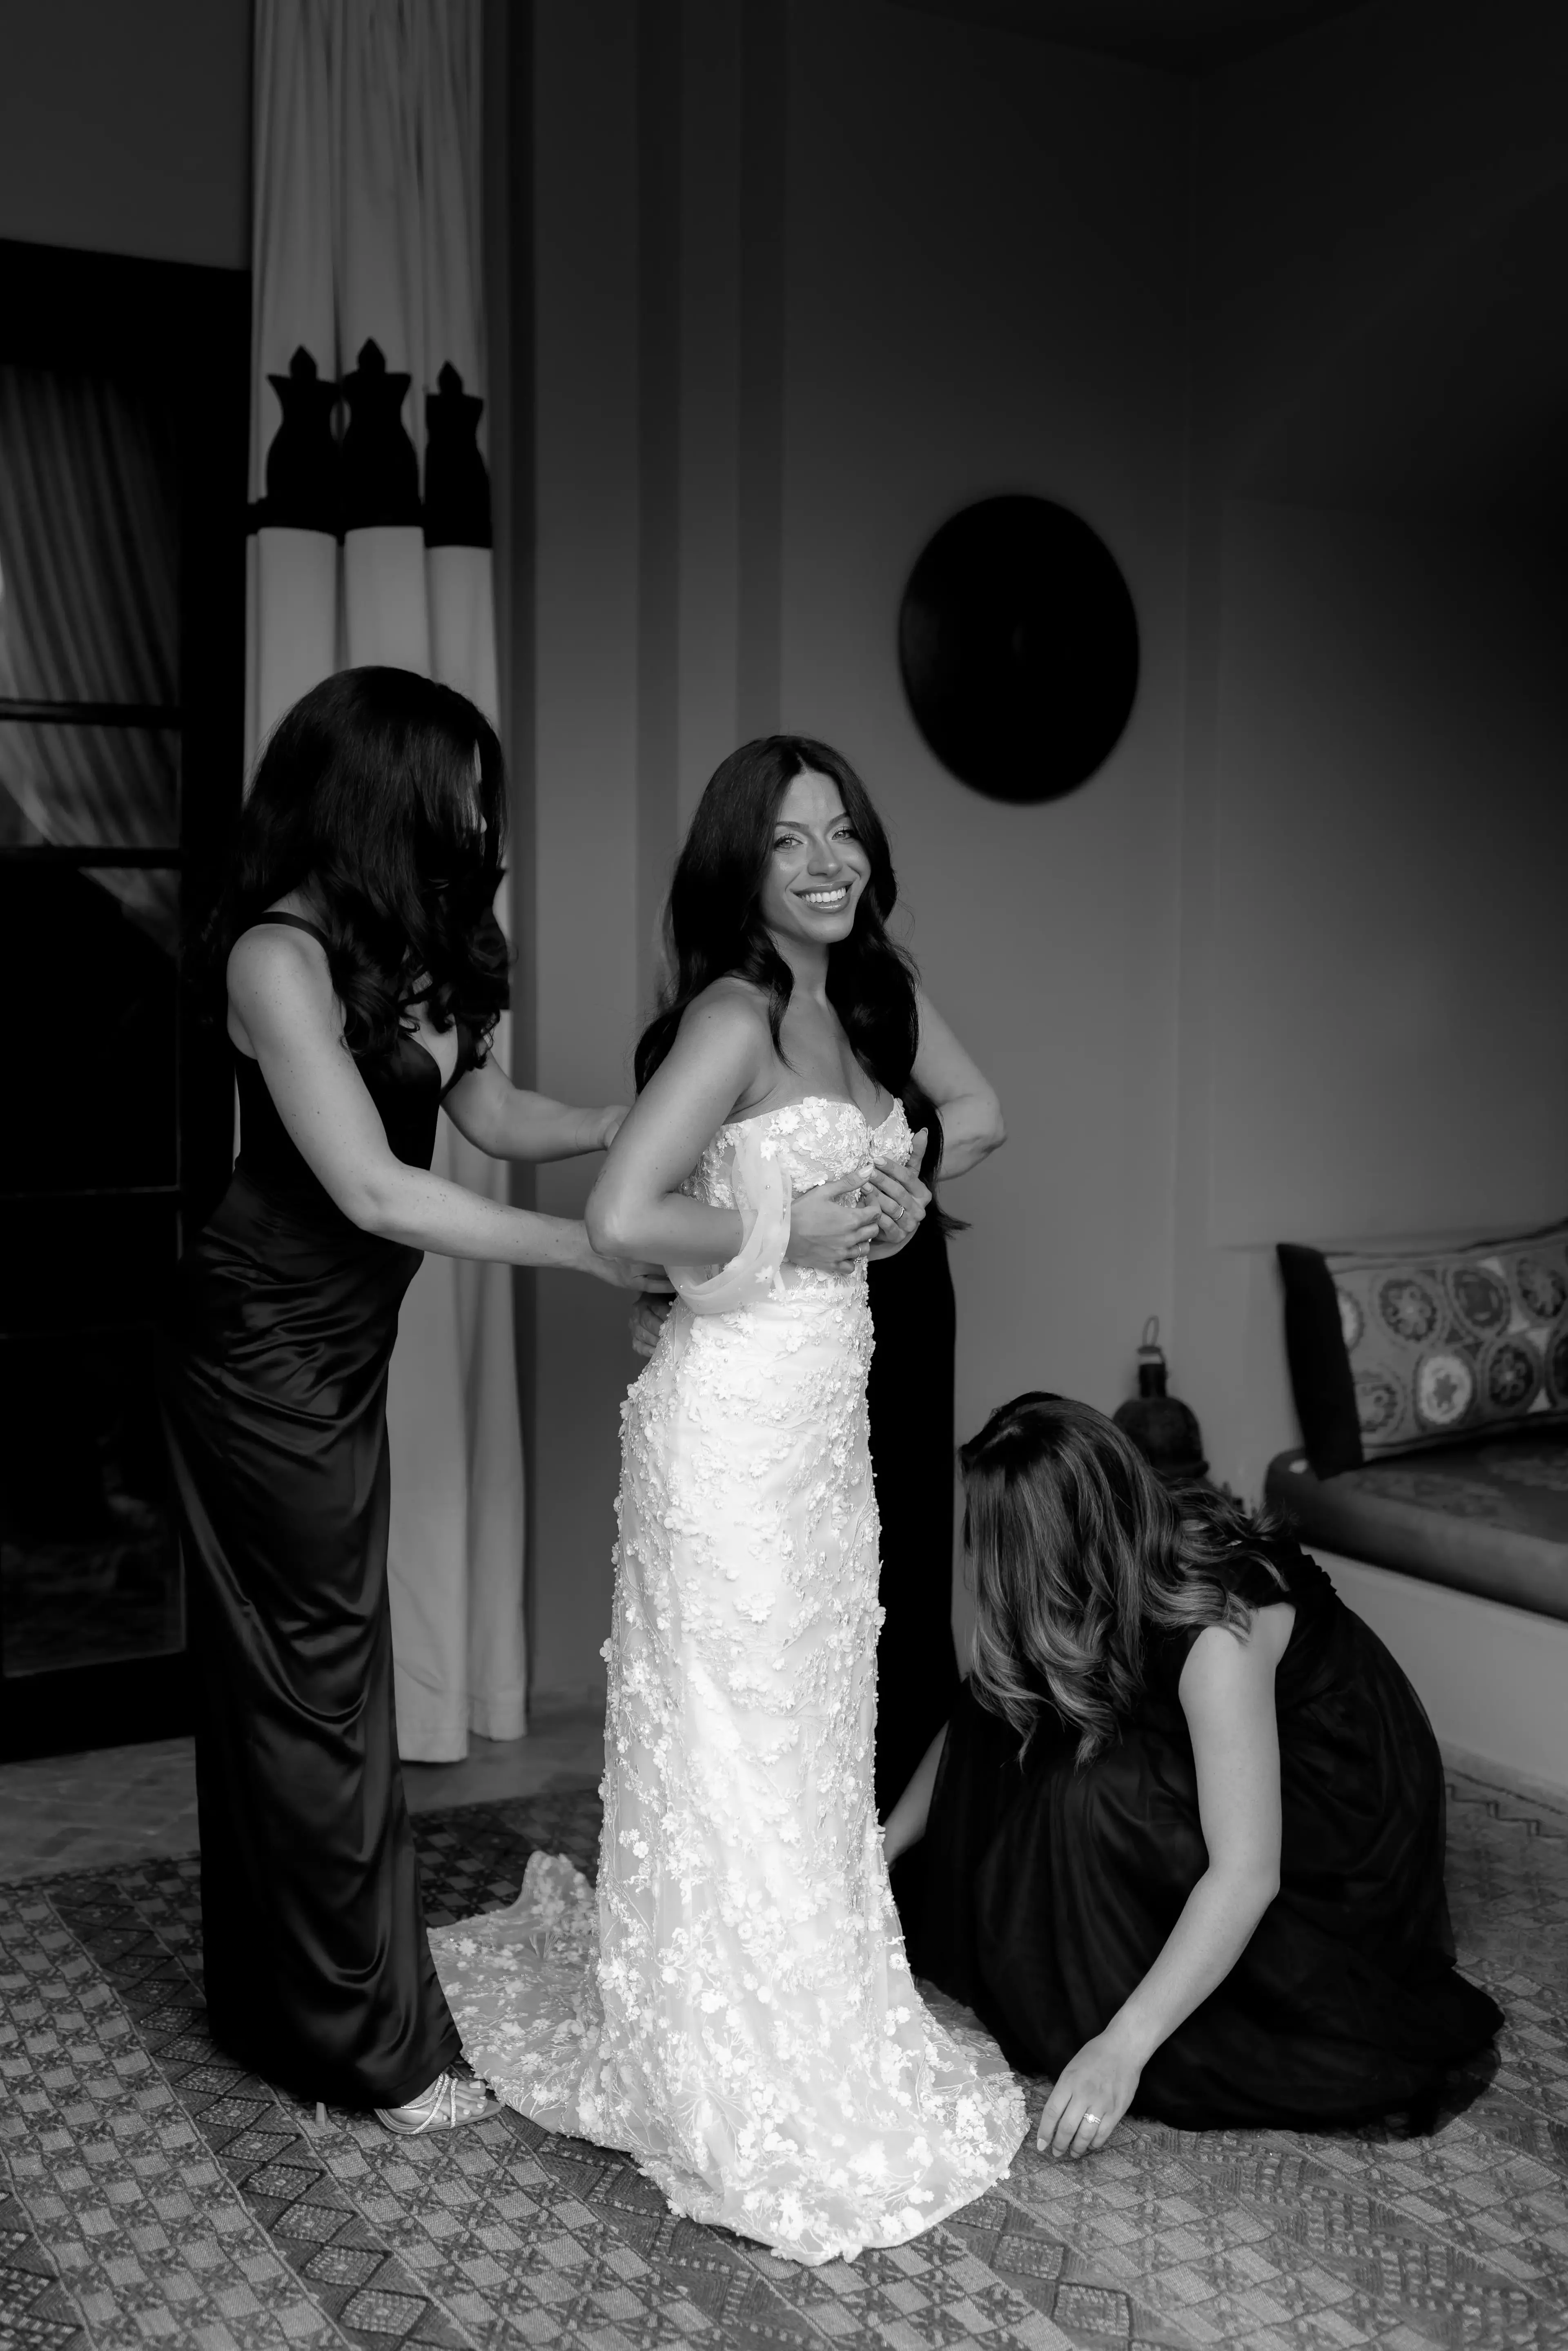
(1185, 1829)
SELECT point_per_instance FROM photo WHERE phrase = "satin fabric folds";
(318, 1973)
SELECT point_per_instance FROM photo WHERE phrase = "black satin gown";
(318, 1973)
(910, 1398)
(1050, 1892)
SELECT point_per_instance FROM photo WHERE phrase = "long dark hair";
(1079, 1552)
(366, 791)
(714, 930)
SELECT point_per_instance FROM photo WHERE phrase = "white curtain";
(371, 543)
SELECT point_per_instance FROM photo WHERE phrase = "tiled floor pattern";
(154, 2193)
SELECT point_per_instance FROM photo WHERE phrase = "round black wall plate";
(1019, 648)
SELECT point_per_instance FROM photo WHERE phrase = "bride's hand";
(829, 1229)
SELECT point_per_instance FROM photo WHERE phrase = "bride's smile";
(817, 868)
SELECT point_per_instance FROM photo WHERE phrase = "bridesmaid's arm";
(283, 1012)
(906, 1825)
(1226, 1693)
(511, 1123)
(972, 1122)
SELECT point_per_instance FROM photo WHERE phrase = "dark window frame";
(184, 330)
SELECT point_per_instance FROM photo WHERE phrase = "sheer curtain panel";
(371, 542)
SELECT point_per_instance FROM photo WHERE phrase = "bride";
(733, 2005)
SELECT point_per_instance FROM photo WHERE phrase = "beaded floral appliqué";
(731, 2003)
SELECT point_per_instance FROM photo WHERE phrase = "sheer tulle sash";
(762, 1195)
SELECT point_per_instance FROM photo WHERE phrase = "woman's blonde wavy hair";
(1078, 1555)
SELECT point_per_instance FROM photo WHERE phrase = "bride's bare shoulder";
(730, 1009)
(724, 1043)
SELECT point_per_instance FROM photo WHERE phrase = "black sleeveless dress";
(909, 1396)
(318, 1974)
(1050, 1892)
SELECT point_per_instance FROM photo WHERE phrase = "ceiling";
(1188, 36)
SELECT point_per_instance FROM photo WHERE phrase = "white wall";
(1284, 968)
(1390, 1053)
(1377, 707)
(984, 293)
(583, 926)
(1287, 967)
(946, 287)
(125, 127)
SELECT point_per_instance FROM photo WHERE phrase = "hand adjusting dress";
(1049, 1891)
(734, 2006)
(318, 1974)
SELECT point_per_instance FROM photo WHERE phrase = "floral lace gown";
(732, 2005)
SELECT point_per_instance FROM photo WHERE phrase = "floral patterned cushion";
(1394, 1350)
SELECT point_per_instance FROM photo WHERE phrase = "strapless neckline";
(807, 1102)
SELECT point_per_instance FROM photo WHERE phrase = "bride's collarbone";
(816, 1063)
(833, 1088)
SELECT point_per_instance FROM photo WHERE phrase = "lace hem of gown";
(868, 2150)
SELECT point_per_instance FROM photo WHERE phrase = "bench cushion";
(1396, 1349)
(1489, 1518)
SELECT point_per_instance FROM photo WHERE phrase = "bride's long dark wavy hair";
(714, 925)
(1079, 1554)
(369, 790)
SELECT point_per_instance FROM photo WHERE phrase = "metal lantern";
(1163, 1429)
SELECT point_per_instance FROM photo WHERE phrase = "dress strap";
(295, 922)
(467, 1057)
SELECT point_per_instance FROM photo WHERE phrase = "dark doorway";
(124, 393)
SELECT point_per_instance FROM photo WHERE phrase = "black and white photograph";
(784, 1311)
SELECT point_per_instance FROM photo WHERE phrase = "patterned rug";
(153, 2193)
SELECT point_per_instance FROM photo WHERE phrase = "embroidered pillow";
(1391, 1351)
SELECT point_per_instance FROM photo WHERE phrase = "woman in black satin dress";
(365, 971)
(1185, 1828)
(910, 1399)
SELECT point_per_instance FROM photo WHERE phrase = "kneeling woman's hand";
(1093, 2092)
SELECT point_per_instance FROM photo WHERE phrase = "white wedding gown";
(732, 2005)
